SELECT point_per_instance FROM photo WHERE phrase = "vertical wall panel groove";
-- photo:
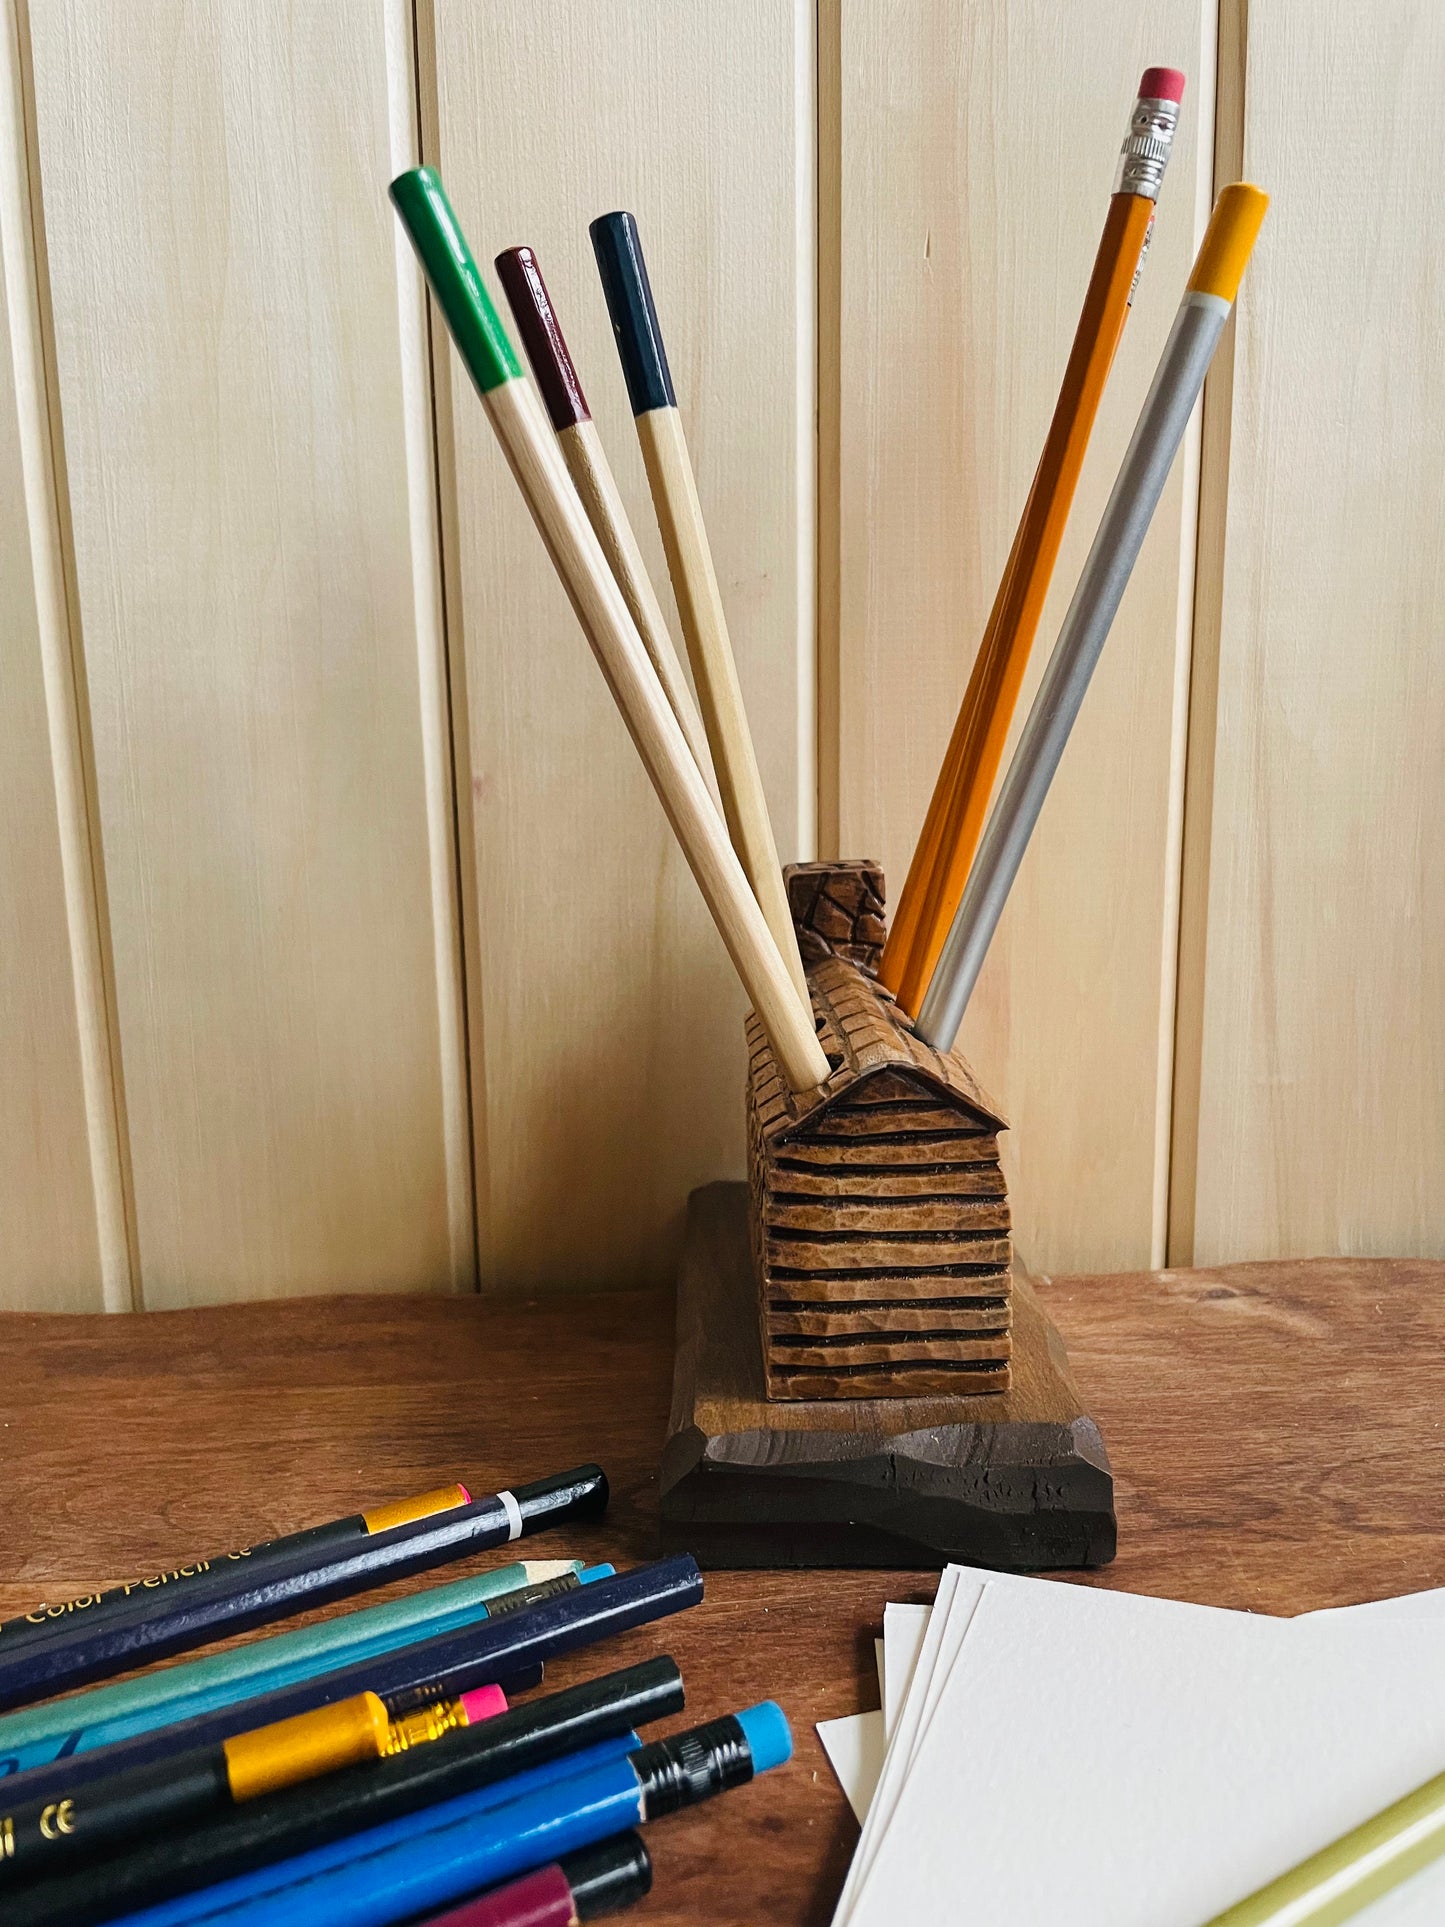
(424, 522)
(1203, 720)
(66, 1227)
(244, 406)
(829, 190)
(606, 1021)
(1321, 1111)
(977, 154)
(463, 782)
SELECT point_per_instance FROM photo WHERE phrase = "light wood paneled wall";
(344, 945)
(1312, 1036)
(606, 1021)
(977, 149)
(229, 333)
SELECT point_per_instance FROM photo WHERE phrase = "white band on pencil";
(514, 1515)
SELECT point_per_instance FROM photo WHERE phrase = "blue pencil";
(273, 1886)
(415, 1785)
(456, 1662)
(387, 1875)
(36, 1735)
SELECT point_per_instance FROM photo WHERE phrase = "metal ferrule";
(692, 1766)
(420, 1728)
(1145, 152)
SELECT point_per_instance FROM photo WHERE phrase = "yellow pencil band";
(312, 1743)
(1228, 241)
(401, 1512)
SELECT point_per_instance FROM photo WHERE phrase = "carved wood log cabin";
(879, 1210)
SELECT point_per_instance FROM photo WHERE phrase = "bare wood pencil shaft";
(576, 555)
(719, 694)
(591, 472)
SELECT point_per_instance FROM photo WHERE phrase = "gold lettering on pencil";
(58, 1818)
(43, 1614)
(7, 1839)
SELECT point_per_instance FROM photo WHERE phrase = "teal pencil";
(38, 1734)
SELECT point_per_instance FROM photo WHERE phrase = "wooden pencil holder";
(864, 1375)
(879, 1211)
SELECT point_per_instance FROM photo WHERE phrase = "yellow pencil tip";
(1229, 240)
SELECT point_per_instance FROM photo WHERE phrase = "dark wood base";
(1018, 1480)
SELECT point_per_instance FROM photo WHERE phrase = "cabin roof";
(865, 1030)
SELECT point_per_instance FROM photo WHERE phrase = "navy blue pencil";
(493, 1651)
(229, 1601)
(486, 1766)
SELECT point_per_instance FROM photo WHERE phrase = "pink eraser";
(483, 1704)
(1161, 83)
(466, 1495)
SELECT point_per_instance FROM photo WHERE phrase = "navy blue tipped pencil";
(224, 1602)
(492, 1651)
(628, 293)
(95, 1607)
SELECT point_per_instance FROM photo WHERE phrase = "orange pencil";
(951, 830)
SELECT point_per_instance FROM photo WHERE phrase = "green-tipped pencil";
(516, 415)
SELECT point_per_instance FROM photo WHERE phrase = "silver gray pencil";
(1177, 382)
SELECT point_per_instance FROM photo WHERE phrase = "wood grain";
(229, 346)
(1272, 1430)
(871, 1468)
(976, 152)
(590, 1138)
(1320, 967)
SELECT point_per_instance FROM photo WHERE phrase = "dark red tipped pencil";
(592, 476)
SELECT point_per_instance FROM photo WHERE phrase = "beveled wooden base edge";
(909, 1484)
(904, 1502)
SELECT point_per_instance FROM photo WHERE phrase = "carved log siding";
(880, 1213)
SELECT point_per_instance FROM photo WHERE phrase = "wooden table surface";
(1277, 1433)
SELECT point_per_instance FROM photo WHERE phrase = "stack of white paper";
(1049, 1752)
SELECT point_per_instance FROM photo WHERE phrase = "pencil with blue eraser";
(75, 1728)
(320, 1826)
(220, 1603)
(384, 1876)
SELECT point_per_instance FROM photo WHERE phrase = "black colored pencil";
(220, 1603)
(309, 1816)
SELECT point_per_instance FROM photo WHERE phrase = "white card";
(854, 1746)
(1124, 1762)
(903, 1630)
(901, 1742)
